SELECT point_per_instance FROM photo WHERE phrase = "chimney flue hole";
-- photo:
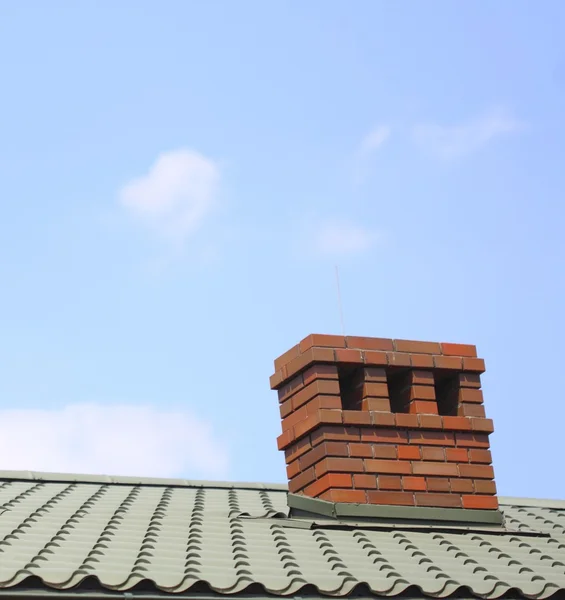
(447, 393)
(350, 386)
(398, 386)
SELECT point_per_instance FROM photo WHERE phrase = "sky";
(180, 180)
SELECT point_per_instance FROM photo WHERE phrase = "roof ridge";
(48, 477)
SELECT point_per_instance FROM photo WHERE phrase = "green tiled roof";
(176, 536)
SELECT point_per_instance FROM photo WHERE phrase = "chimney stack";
(385, 422)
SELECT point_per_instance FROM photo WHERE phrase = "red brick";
(480, 456)
(459, 485)
(422, 361)
(345, 496)
(390, 482)
(285, 408)
(480, 502)
(470, 395)
(438, 500)
(391, 498)
(388, 436)
(303, 479)
(438, 484)
(442, 469)
(307, 425)
(285, 358)
(433, 453)
(457, 455)
(339, 480)
(368, 343)
(293, 469)
(484, 425)
(394, 467)
(422, 392)
(312, 457)
(290, 388)
(417, 347)
(406, 420)
(337, 448)
(374, 375)
(355, 417)
(319, 372)
(377, 389)
(423, 407)
(476, 471)
(419, 377)
(485, 486)
(409, 453)
(398, 359)
(382, 419)
(319, 386)
(456, 423)
(376, 358)
(335, 433)
(327, 449)
(294, 418)
(339, 465)
(297, 449)
(430, 421)
(365, 481)
(414, 484)
(360, 450)
(432, 438)
(458, 349)
(376, 404)
(349, 356)
(322, 340)
(472, 440)
(475, 365)
(276, 379)
(298, 364)
(323, 402)
(330, 480)
(469, 380)
(285, 439)
(448, 362)
(383, 451)
(471, 410)
(330, 416)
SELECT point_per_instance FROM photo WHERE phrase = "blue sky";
(179, 180)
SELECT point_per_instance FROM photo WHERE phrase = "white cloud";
(176, 195)
(452, 141)
(374, 139)
(339, 238)
(114, 440)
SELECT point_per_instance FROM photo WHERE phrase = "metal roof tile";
(174, 534)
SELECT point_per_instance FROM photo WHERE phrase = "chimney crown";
(381, 421)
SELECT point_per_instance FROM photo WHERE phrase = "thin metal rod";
(339, 300)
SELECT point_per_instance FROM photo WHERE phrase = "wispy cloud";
(372, 142)
(176, 195)
(336, 239)
(115, 440)
(453, 141)
(374, 139)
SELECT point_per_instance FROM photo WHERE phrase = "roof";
(155, 536)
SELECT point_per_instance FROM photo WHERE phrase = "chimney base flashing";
(302, 506)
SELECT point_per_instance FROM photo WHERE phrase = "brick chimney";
(387, 422)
